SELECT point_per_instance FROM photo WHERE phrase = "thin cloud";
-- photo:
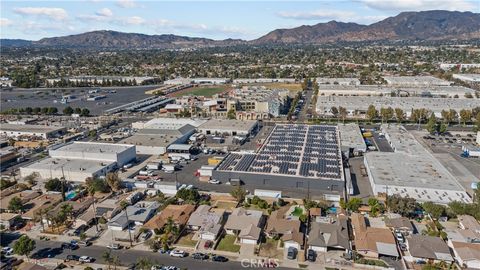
(419, 5)
(126, 3)
(56, 14)
(4, 22)
(104, 12)
(316, 15)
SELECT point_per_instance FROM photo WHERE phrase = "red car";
(208, 244)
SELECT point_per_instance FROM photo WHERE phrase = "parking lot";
(448, 149)
(51, 98)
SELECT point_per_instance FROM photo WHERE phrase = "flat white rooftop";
(68, 165)
(325, 103)
(226, 124)
(415, 80)
(411, 171)
(93, 147)
(351, 136)
(29, 128)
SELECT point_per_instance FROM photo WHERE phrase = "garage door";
(248, 241)
(291, 244)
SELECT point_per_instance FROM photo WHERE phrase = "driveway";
(247, 251)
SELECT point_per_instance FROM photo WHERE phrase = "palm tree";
(115, 262)
(124, 205)
(107, 257)
(91, 192)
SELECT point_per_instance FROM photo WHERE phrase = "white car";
(7, 250)
(85, 259)
(214, 181)
(178, 253)
(113, 246)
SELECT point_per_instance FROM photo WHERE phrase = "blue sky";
(214, 19)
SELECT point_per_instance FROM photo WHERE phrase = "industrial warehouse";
(358, 105)
(79, 160)
(292, 157)
(411, 171)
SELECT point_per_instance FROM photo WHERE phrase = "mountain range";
(434, 25)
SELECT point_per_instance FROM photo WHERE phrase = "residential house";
(286, 227)
(40, 203)
(372, 242)
(246, 224)
(107, 209)
(8, 194)
(427, 248)
(7, 220)
(138, 213)
(178, 213)
(207, 221)
(467, 222)
(466, 254)
(402, 224)
(325, 236)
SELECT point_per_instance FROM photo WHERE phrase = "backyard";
(228, 244)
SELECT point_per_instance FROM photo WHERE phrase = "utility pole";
(63, 185)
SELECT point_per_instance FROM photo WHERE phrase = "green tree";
(238, 193)
(113, 181)
(353, 204)
(15, 204)
(108, 258)
(334, 111)
(343, 113)
(465, 116)
(68, 110)
(399, 115)
(400, 205)
(85, 112)
(432, 124)
(55, 184)
(231, 114)
(4, 183)
(376, 207)
(435, 210)
(24, 245)
(372, 113)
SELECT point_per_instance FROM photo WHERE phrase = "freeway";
(52, 249)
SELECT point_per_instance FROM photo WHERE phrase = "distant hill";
(407, 26)
(113, 39)
(424, 25)
(15, 42)
(319, 33)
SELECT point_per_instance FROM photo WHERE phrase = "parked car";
(218, 258)
(71, 257)
(208, 244)
(403, 247)
(113, 246)
(71, 245)
(7, 251)
(178, 253)
(85, 243)
(144, 236)
(85, 259)
(311, 255)
(399, 237)
(156, 267)
(200, 256)
(214, 181)
(292, 253)
(80, 230)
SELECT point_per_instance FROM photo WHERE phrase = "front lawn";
(269, 249)
(187, 241)
(228, 244)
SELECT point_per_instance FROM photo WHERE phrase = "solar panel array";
(297, 150)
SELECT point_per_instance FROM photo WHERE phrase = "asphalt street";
(44, 249)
